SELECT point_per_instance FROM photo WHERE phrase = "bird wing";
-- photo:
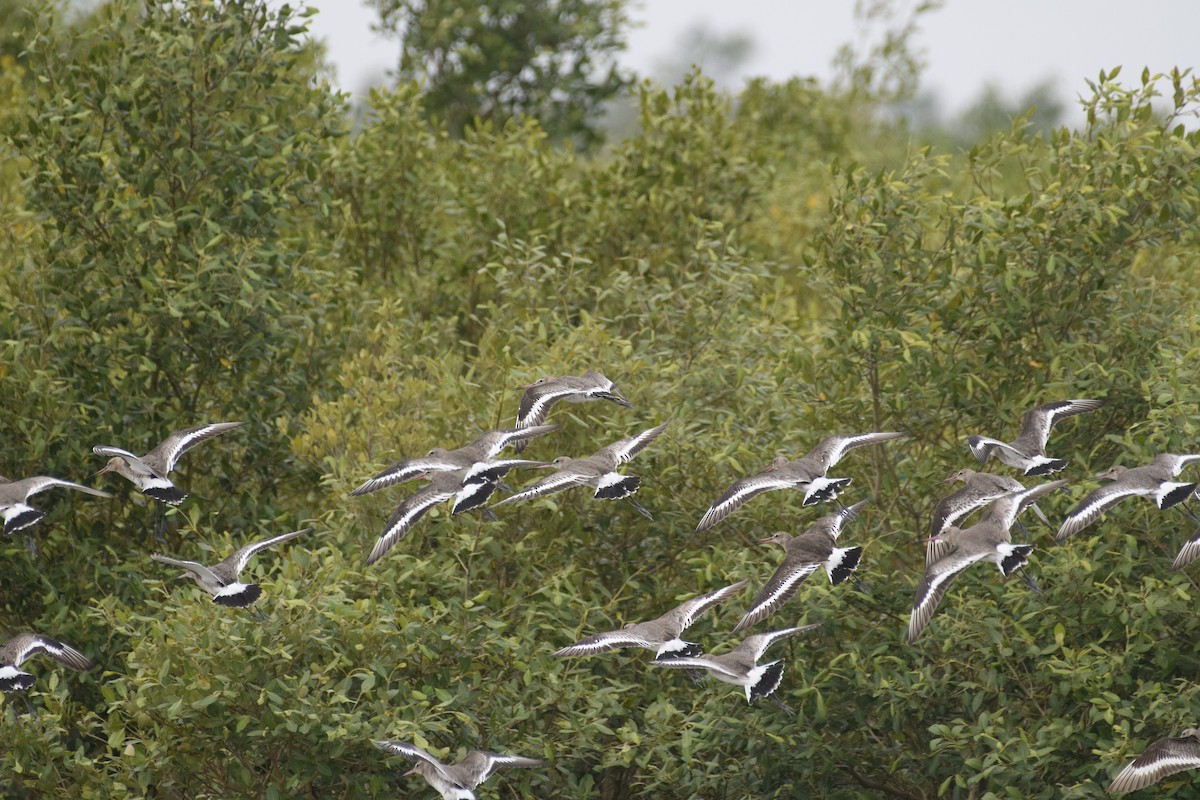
(697, 662)
(686, 613)
(25, 645)
(108, 451)
(782, 585)
(190, 566)
(952, 508)
(603, 642)
(406, 514)
(1160, 759)
(557, 482)
(31, 486)
(1039, 420)
(756, 645)
(624, 450)
(537, 400)
(831, 449)
(742, 491)
(981, 447)
(406, 470)
(491, 443)
(934, 584)
(163, 457)
(414, 754)
(479, 765)
(1004, 510)
(1095, 504)
(237, 560)
(493, 470)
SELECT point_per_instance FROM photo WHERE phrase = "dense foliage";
(190, 236)
(549, 60)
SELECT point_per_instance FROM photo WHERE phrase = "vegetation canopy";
(192, 236)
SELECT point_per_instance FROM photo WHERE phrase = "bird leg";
(31, 545)
(160, 524)
(488, 514)
(862, 586)
(1021, 527)
(1028, 580)
(639, 508)
(259, 615)
(1188, 512)
(786, 708)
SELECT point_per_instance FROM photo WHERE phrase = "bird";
(441, 487)
(740, 665)
(478, 457)
(455, 781)
(660, 635)
(1151, 480)
(543, 393)
(20, 647)
(149, 473)
(955, 549)
(806, 473)
(221, 579)
(598, 470)
(1028, 451)
(1164, 757)
(979, 489)
(17, 514)
(804, 555)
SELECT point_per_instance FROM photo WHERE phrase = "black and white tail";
(769, 677)
(842, 563)
(1013, 556)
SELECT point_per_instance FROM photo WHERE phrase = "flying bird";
(442, 486)
(660, 635)
(221, 579)
(740, 665)
(804, 555)
(24, 645)
(149, 472)
(806, 473)
(17, 513)
(958, 548)
(455, 781)
(543, 393)
(1028, 451)
(1162, 758)
(598, 470)
(1152, 480)
(979, 489)
(477, 458)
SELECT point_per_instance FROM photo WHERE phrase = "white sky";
(1014, 44)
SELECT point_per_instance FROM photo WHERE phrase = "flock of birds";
(470, 474)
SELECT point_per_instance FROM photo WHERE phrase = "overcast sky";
(1014, 44)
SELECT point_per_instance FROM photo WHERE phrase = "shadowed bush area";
(193, 236)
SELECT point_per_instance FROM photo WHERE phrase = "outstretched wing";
(555, 483)
(415, 754)
(1162, 758)
(1039, 420)
(831, 449)
(25, 645)
(406, 515)
(32, 486)
(756, 645)
(686, 613)
(744, 490)
(170, 449)
(782, 585)
(479, 765)
(190, 566)
(603, 642)
(237, 561)
(1095, 504)
(406, 470)
(624, 450)
(934, 585)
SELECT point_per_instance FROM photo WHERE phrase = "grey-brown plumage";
(477, 458)
(598, 470)
(740, 665)
(1162, 758)
(543, 393)
(25, 645)
(1152, 480)
(221, 579)
(662, 635)
(14, 509)
(149, 472)
(807, 473)
(1027, 452)
(958, 548)
(979, 489)
(455, 781)
(804, 555)
(442, 486)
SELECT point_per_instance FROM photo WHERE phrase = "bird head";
(780, 538)
(115, 464)
(962, 475)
